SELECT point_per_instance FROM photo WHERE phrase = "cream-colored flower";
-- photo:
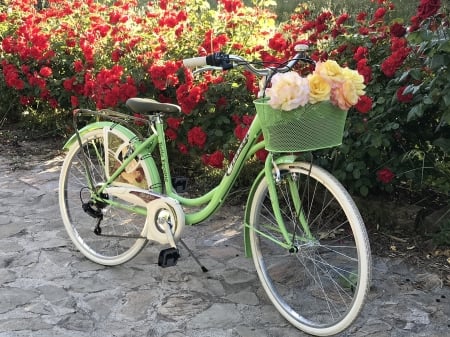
(320, 89)
(289, 91)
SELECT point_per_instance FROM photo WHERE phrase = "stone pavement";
(47, 288)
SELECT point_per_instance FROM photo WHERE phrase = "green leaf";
(364, 190)
(445, 47)
(443, 143)
(357, 174)
(373, 152)
(376, 141)
(428, 100)
(415, 74)
(438, 61)
(391, 126)
(446, 116)
(415, 37)
(415, 112)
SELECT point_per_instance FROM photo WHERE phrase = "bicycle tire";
(74, 192)
(322, 287)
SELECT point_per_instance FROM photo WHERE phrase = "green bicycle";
(301, 227)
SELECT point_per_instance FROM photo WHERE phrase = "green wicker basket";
(308, 128)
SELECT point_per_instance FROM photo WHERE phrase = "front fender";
(287, 159)
(148, 161)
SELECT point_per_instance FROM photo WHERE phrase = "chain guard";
(160, 210)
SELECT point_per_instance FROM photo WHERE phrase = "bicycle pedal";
(180, 184)
(168, 257)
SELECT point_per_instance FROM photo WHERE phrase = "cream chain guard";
(162, 214)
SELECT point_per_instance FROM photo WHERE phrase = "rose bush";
(384, 145)
(91, 54)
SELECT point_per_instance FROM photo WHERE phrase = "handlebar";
(228, 61)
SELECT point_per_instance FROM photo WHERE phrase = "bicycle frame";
(214, 199)
(211, 200)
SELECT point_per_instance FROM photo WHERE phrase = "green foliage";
(105, 52)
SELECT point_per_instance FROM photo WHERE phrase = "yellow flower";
(330, 70)
(320, 89)
(356, 79)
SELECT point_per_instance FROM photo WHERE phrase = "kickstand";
(204, 269)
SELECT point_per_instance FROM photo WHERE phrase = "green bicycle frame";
(212, 200)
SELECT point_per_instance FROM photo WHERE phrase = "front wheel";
(317, 275)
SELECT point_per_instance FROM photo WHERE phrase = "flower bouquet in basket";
(308, 113)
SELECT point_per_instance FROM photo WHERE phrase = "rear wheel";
(319, 281)
(122, 236)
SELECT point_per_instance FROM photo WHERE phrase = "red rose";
(240, 132)
(188, 97)
(171, 134)
(364, 70)
(247, 120)
(197, 137)
(74, 101)
(379, 13)
(388, 67)
(215, 159)
(341, 19)
(174, 123)
(78, 66)
(363, 31)
(360, 53)
(278, 43)
(236, 119)
(361, 16)
(140, 119)
(213, 44)
(45, 72)
(425, 9)
(404, 98)
(232, 5)
(261, 154)
(385, 175)
(398, 30)
(364, 104)
(183, 148)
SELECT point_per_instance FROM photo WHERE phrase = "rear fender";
(148, 160)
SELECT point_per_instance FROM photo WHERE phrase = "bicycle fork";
(273, 177)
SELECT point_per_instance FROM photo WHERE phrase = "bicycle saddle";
(147, 105)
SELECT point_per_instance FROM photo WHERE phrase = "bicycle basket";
(308, 128)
